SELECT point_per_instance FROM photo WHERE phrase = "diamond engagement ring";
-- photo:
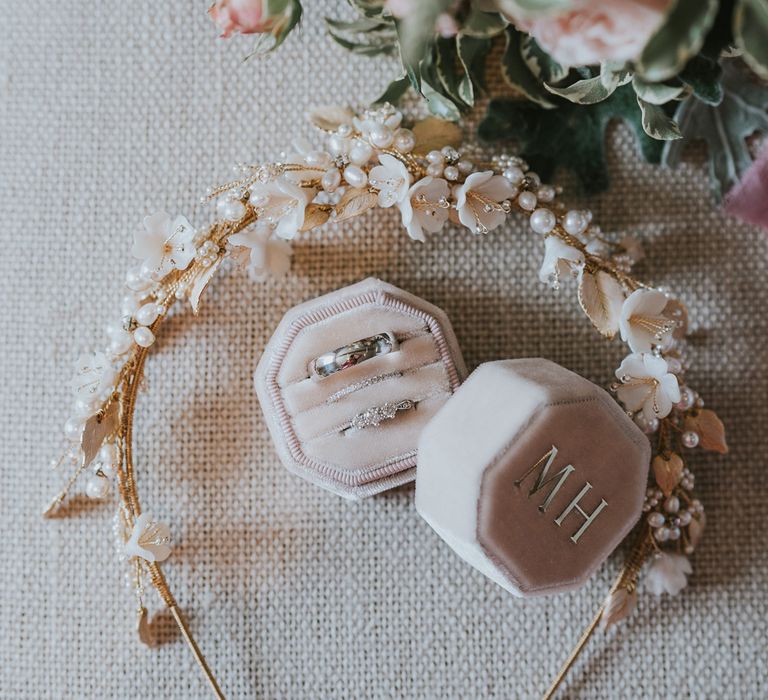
(352, 354)
(373, 417)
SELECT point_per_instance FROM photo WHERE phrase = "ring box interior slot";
(310, 418)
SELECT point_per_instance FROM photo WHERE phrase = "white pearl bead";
(355, 176)
(338, 145)
(106, 469)
(672, 504)
(405, 141)
(685, 518)
(514, 174)
(687, 399)
(543, 221)
(74, 427)
(318, 159)
(149, 272)
(344, 129)
(97, 487)
(143, 336)
(435, 157)
(136, 281)
(121, 344)
(574, 222)
(690, 439)
(435, 170)
(231, 209)
(656, 520)
(147, 314)
(451, 172)
(108, 453)
(465, 166)
(129, 305)
(662, 534)
(331, 180)
(393, 120)
(546, 193)
(381, 136)
(360, 153)
(527, 200)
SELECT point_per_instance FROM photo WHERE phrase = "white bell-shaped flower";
(426, 207)
(149, 539)
(642, 323)
(647, 385)
(391, 179)
(483, 201)
(164, 244)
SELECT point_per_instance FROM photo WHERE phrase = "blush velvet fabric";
(113, 110)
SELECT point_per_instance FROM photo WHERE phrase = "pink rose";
(592, 31)
(245, 17)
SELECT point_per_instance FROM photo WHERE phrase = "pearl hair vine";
(370, 160)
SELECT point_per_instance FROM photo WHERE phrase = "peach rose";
(591, 31)
(245, 17)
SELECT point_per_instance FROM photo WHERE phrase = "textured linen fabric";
(111, 110)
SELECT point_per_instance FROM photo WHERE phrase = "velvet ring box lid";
(313, 419)
(532, 474)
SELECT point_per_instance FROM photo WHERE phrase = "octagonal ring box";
(310, 418)
(532, 474)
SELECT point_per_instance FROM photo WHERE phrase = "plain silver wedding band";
(351, 355)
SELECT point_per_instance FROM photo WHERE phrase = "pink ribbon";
(748, 200)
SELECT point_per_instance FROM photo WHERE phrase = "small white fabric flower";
(164, 244)
(668, 574)
(281, 204)
(479, 201)
(94, 377)
(266, 255)
(391, 179)
(646, 385)
(149, 540)
(425, 208)
(642, 323)
(559, 259)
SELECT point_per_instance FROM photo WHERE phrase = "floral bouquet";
(675, 70)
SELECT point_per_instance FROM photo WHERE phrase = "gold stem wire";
(626, 579)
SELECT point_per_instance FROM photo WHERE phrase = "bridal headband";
(368, 160)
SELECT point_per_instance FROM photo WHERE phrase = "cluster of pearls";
(99, 485)
(667, 517)
(208, 253)
(449, 164)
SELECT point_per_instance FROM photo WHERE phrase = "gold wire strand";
(627, 579)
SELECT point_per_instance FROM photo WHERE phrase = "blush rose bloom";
(244, 17)
(591, 31)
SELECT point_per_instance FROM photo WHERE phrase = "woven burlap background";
(110, 110)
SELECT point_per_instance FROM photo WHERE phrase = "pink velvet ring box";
(310, 418)
(532, 474)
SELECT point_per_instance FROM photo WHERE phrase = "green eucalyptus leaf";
(750, 30)
(416, 30)
(450, 70)
(472, 53)
(531, 8)
(360, 25)
(361, 49)
(394, 91)
(702, 75)
(680, 37)
(723, 127)
(656, 93)
(571, 136)
(540, 63)
(657, 123)
(591, 90)
(483, 25)
(438, 104)
(516, 72)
